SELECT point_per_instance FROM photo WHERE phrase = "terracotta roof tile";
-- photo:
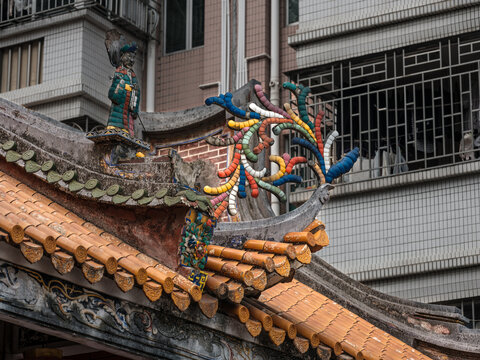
(271, 247)
(236, 291)
(51, 228)
(277, 335)
(314, 314)
(300, 237)
(246, 257)
(260, 315)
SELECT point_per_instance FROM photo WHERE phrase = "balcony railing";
(135, 14)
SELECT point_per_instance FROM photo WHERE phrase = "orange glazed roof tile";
(337, 327)
(289, 310)
(37, 224)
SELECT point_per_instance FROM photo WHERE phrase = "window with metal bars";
(21, 65)
(84, 124)
(470, 308)
(407, 109)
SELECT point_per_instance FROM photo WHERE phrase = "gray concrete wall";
(419, 241)
(335, 30)
(334, 12)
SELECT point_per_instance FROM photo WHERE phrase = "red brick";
(184, 154)
(191, 145)
(191, 158)
(219, 159)
(208, 154)
(221, 166)
(223, 151)
(199, 150)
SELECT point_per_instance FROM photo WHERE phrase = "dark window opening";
(184, 24)
(292, 11)
(198, 19)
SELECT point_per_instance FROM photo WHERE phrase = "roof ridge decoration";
(92, 188)
(241, 173)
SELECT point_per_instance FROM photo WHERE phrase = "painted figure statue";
(124, 91)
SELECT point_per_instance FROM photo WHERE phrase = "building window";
(184, 24)
(470, 308)
(292, 11)
(21, 65)
(407, 109)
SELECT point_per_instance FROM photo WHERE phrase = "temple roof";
(41, 227)
(49, 200)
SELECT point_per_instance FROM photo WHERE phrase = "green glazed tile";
(69, 175)
(9, 145)
(28, 155)
(161, 193)
(172, 200)
(75, 186)
(53, 177)
(120, 199)
(32, 166)
(91, 184)
(12, 156)
(138, 194)
(191, 195)
(48, 165)
(98, 193)
(113, 190)
(146, 200)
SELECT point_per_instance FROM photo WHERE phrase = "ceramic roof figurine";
(124, 93)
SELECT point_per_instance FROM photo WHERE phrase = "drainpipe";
(151, 57)
(225, 66)
(241, 78)
(275, 84)
(150, 90)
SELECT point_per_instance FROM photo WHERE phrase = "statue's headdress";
(117, 46)
(132, 48)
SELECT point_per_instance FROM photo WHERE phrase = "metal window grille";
(21, 65)
(84, 124)
(406, 109)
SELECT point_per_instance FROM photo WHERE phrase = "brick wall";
(200, 150)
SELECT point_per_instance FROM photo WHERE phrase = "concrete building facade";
(400, 80)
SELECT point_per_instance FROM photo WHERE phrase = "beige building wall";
(186, 78)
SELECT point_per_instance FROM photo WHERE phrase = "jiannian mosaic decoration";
(196, 236)
(251, 139)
